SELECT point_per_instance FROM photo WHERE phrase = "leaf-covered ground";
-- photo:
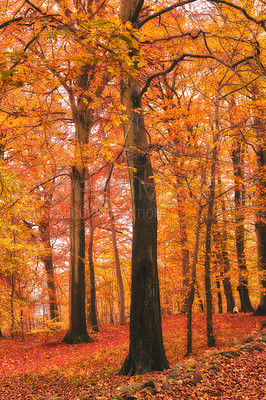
(38, 367)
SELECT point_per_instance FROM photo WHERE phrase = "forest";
(132, 169)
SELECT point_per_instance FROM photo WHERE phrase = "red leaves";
(32, 369)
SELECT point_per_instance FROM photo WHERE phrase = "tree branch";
(182, 58)
(261, 22)
(165, 10)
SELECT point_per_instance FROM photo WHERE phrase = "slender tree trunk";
(207, 263)
(77, 331)
(209, 222)
(121, 294)
(92, 309)
(47, 259)
(260, 225)
(222, 244)
(146, 351)
(237, 157)
(194, 269)
(219, 294)
(184, 250)
(12, 304)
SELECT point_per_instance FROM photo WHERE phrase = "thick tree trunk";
(92, 306)
(121, 293)
(83, 121)
(77, 331)
(146, 351)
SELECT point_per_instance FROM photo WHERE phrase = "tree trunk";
(121, 294)
(184, 251)
(222, 244)
(146, 351)
(260, 225)
(207, 263)
(219, 295)
(92, 309)
(194, 270)
(12, 304)
(77, 331)
(47, 259)
(83, 121)
(209, 222)
(237, 157)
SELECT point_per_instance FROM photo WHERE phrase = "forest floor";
(41, 368)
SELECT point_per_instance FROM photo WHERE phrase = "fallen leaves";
(34, 370)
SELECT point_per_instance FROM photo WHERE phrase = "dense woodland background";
(65, 158)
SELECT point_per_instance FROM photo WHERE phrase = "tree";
(121, 293)
(260, 224)
(146, 351)
(47, 257)
(239, 199)
(92, 307)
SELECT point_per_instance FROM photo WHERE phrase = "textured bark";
(146, 351)
(92, 303)
(77, 331)
(121, 293)
(237, 157)
(83, 121)
(207, 262)
(260, 225)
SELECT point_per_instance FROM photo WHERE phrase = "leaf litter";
(236, 369)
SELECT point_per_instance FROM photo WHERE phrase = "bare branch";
(165, 10)
(182, 58)
(261, 22)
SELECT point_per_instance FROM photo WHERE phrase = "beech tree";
(146, 351)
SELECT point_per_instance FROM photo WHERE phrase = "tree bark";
(237, 157)
(219, 295)
(260, 225)
(92, 306)
(146, 351)
(82, 117)
(77, 331)
(222, 239)
(207, 263)
(194, 269)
